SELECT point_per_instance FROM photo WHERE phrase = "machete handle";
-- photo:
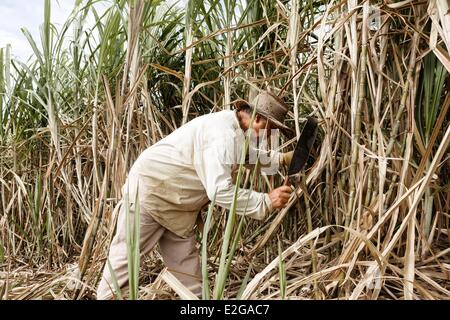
(287, 182)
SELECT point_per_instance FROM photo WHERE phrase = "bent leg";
(182, 259)
(150, 233)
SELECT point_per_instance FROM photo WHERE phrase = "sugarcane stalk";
(356, 132)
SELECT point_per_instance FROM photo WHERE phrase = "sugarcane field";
(225, 150)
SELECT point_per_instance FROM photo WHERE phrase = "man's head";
(260, 123)
(271, 112)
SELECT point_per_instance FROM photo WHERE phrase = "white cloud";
(29, 14)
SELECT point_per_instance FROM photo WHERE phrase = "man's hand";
(280, 197)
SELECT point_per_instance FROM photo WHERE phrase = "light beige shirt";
(180, 174)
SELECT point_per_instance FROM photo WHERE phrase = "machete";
(299, 159)
(302, 149)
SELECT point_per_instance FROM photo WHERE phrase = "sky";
(16, 14)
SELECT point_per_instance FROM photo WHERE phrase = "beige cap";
(271, 107)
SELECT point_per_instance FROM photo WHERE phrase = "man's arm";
(213, 166)
(214, 169)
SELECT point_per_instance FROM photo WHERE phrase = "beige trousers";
(180, 255)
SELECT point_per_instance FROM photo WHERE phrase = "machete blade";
(304, 146)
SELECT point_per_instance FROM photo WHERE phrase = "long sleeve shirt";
(175, 178)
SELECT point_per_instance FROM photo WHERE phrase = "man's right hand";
(280, 197)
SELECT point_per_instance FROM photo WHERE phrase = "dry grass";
(372, 220)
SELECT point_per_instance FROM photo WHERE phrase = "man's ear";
(261, 121)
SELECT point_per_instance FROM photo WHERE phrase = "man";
(175, 178)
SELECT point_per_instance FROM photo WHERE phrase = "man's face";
(261, 126)
(263, 140)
